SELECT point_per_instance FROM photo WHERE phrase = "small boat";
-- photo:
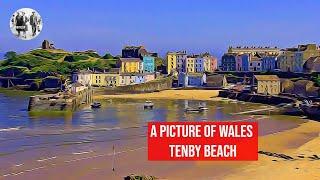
(148, 105)
(192, 110)
(203, 108)
(95, 105)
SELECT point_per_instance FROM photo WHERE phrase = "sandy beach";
(286, 151)
(301, 143)
(169, 94)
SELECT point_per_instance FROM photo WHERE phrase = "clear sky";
(166, 25)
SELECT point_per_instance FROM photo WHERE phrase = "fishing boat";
(148, 105)
(96, 105)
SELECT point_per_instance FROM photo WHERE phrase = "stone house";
(268, 84)
(217, 81)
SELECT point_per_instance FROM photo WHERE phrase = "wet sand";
(131, 154)
(303, 140)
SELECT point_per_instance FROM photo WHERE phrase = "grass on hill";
(53, 61)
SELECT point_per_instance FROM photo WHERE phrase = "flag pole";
(114, 157)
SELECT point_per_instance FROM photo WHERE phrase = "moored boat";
(192, 110)
(148, 105)
(96, 105)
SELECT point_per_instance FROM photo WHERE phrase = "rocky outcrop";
(256, 98)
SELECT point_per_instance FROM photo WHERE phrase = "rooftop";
(130, 59)
(267, 77)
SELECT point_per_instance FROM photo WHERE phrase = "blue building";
(181, 61)
(245, 62)
(269, 63)
(228, 62)
(139, 78)
(191, 79)
(148, 64)
(199, 65)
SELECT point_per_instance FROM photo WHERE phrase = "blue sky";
(166, 25)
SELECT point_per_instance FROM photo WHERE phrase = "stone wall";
(151, 86)
(59, 101)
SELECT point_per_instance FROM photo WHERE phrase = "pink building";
(238, 63)
(213, 64)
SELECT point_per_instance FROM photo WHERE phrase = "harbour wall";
(60, 101)
(148, 87)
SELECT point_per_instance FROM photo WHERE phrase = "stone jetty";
(62, 101)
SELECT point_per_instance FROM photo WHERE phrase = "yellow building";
(268, 84)
(207, 64)
(131, 65)
(190, 64)
(105, 79)
(171, 61)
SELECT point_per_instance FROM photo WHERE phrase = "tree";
(10, 54)
(158, 63)
(317, 80)
(107, 56)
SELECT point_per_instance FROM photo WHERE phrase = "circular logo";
(26, 23)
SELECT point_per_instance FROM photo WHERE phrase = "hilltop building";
(262, 51)
(134, 52)
(47, 45)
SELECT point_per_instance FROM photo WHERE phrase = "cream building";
(171, 62)
(105, 79)
(190, 64)
(268, 51)
(268, 84)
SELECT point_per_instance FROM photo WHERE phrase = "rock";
(139, 177)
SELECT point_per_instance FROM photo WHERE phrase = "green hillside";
(35, 63)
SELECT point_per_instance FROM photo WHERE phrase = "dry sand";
(169, 94)
(303, 141)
